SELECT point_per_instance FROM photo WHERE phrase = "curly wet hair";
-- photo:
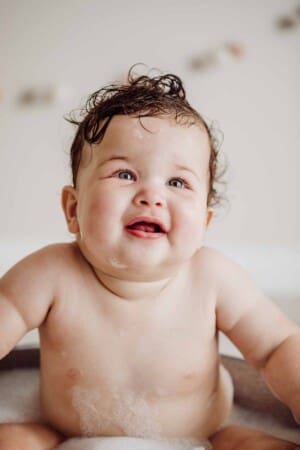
(141, 96)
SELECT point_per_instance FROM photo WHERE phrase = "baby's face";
(139, 208)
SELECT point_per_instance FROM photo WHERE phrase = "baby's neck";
(132, 289)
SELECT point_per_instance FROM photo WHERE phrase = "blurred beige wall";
(78, 46)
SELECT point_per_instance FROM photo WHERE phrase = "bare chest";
(95, 362)
(162, 351)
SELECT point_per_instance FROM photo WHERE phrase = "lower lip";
(143, 234)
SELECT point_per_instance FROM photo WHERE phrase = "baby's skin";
(128, 313)
(112, 367)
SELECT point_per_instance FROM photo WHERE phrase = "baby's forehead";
(142, 137)
(147, 127)
(151, 132)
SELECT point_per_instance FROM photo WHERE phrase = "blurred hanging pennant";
(289, 21)
(218, 55)
(36, 96)
(46, 95)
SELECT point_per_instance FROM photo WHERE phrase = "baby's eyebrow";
(187, 169)
(113, 158)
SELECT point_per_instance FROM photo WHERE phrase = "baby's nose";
(149, 197)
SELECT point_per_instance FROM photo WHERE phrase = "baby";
(128, 313)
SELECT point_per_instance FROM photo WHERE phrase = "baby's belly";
(114, 411)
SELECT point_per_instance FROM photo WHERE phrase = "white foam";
(126, 412)
(116, 263)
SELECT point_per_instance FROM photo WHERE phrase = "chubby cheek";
(96, 217)
(189, 224)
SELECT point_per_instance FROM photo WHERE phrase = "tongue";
(144, 226)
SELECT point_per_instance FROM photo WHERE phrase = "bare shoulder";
(62, 258)
(31, 286)
(208, 267)
(42, 267)
(227, 275)
(220, 264)
(212, 259)
(244, 312)
(57, 251)
(60, 254)
(50, 257)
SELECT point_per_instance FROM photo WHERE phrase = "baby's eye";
(178, 183)
(125, 175)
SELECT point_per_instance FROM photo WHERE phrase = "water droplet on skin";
(138, 134)
(115, 263)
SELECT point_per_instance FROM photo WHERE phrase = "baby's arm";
(266, 337)
(27, 291)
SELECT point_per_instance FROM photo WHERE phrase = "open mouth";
(145, 229)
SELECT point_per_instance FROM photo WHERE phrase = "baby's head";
(144, 166)
(143, 96)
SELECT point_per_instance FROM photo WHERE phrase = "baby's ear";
(209, 216)
(69, 205)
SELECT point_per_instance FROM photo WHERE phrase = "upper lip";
(148, 219)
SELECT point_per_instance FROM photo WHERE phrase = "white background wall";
(81, 45)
